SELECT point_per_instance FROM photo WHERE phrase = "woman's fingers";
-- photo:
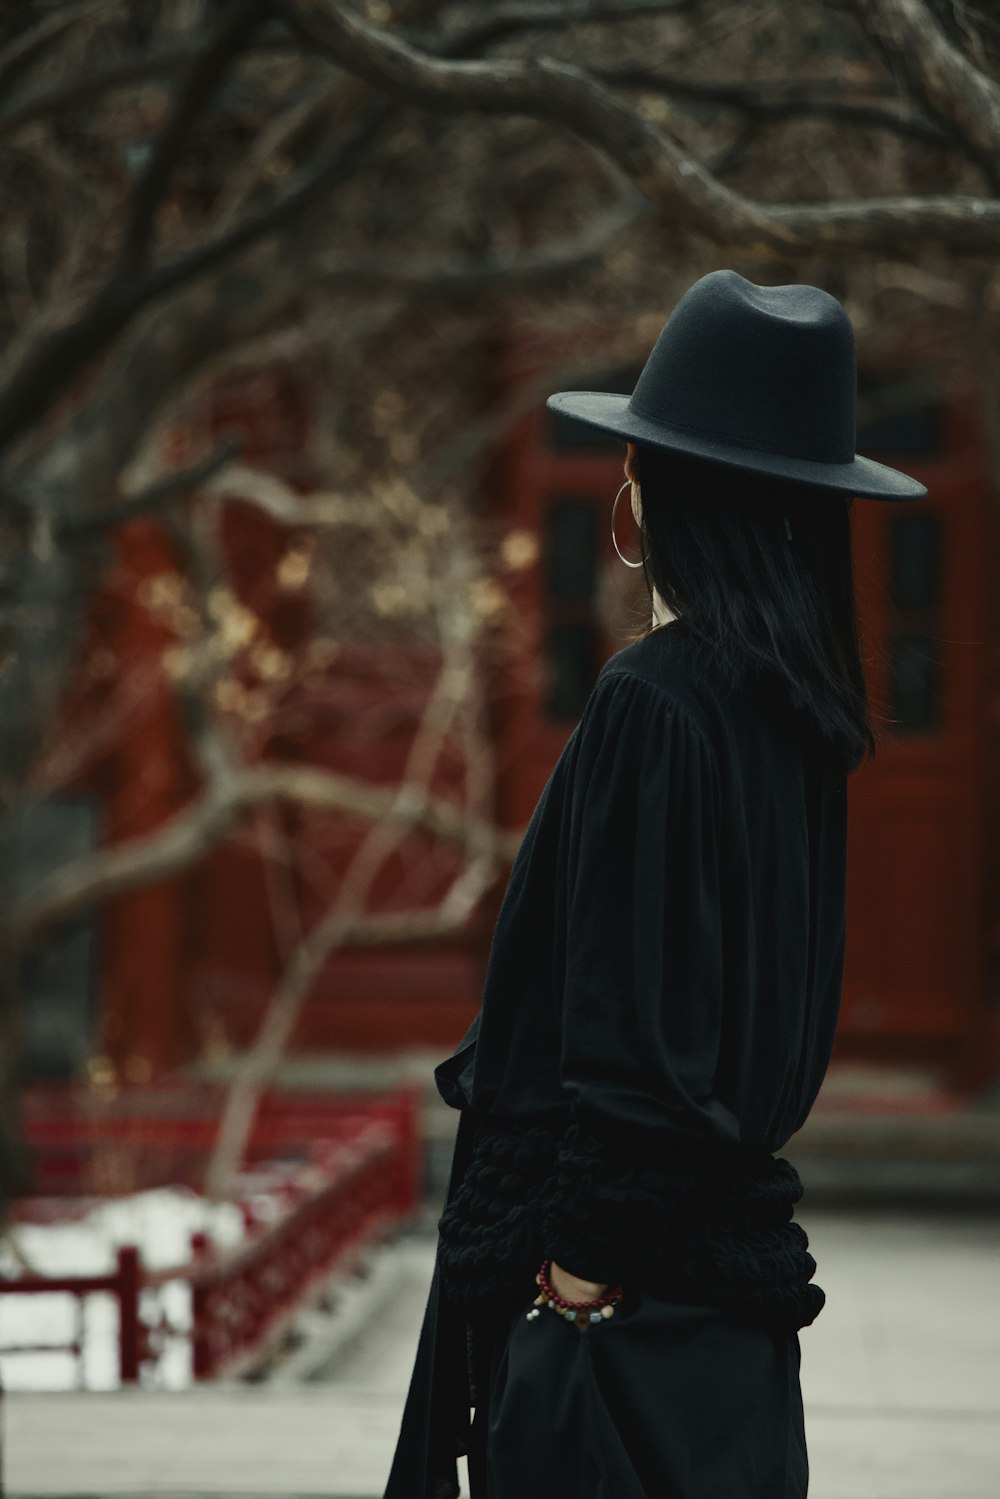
(572, 1288)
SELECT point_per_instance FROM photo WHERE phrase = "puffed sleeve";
(642, 976)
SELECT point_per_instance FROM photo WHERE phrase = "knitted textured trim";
(688, 1219)
(490, 1232)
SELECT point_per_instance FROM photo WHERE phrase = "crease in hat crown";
(756, 377)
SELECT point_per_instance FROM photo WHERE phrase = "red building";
(164, 972)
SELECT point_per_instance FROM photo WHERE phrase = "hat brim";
(610, 413)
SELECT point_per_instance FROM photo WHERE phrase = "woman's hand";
(571, 1287)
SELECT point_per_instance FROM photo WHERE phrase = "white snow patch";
(160, 1224)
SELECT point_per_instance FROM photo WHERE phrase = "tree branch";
(543, 89)
(687, 189)
(66, 530)
(540, 89)
(96, 878)
(156, 496)
(25, 49)
(71, 92)
(536, 265)
(454, 702)
(957, 93)
(780, 100)
(57, 358)
(515, 17)
(211, 68)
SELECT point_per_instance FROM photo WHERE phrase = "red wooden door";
(916, 939)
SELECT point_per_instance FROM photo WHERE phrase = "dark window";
(571, 652)
(571, 549)
(915, 551)
(568, 435)
(915, 683)
(899, 415)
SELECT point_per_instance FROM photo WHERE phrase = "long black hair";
(756, 603)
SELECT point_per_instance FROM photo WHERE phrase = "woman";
(620, 1283)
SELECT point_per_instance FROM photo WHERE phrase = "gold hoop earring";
(618, 549)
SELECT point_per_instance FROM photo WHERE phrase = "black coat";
(658, 1012)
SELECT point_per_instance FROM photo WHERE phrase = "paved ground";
(901, 1376)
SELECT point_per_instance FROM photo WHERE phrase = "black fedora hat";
(757, 377)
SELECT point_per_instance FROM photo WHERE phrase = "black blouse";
(660, 999)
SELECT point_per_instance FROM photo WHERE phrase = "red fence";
(356, 1189)
(123, 1283)
(243, 1300)
(87, 1141)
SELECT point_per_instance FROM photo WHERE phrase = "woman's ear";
(630, 463)
(637, 503)
(632, 472)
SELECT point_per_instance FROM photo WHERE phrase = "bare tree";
(194, 191)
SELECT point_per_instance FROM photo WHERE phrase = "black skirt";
(665, 1400)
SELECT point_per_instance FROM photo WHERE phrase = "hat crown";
(768, 368)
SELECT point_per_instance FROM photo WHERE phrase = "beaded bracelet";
(584, 1313)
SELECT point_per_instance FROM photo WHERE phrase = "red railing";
(244, 1300)
(355, 1190)
(90, 1142)
(123, 1283)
